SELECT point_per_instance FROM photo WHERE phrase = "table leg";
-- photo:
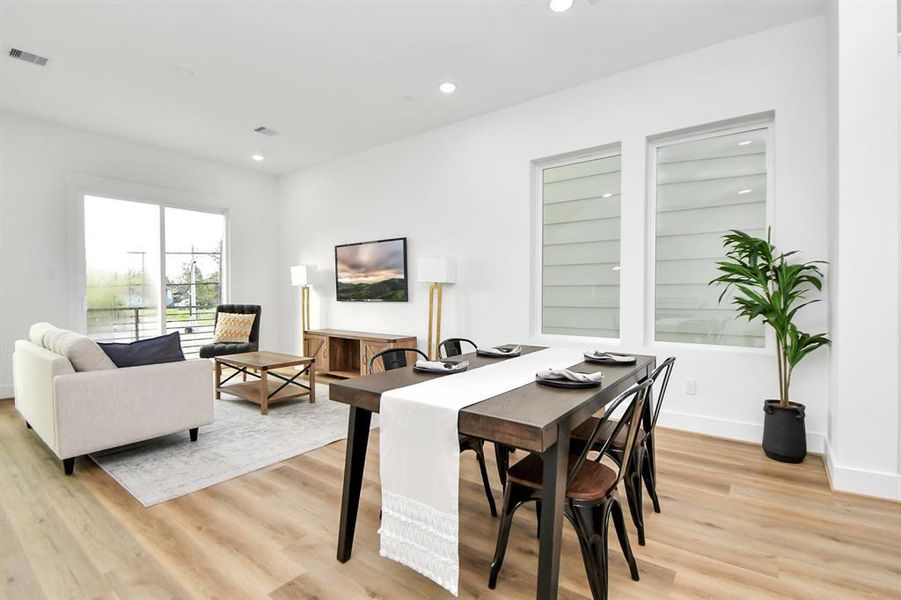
(553, 496)
(354, 461)
(218, 379)
(264, 391)
(312, 380)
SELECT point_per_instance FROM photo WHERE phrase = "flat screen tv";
(372, 271)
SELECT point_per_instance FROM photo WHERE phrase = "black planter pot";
(784, 434)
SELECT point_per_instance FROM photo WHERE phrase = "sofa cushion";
(162, 349)
(82, 351)
(233, 327)
(37, 331)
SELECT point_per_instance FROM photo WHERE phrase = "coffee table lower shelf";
(250, 390)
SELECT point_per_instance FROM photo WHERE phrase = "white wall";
(36, 159)
(466, 191)
(863, 449)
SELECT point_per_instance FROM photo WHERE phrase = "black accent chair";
(252, 345)
(643, 464)
(591, 497)
(454, 347)
(396, 358)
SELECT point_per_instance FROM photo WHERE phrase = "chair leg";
(511, 503)
(584, 520)
(538, 517)
(27, 425)
(480, 456)
(633, 494)
(619, 522)
(193, 433)
(69, 465)
(647, 474)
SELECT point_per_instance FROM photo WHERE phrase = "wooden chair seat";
(592, 481)
(583, 432)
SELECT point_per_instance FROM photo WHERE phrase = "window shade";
(580, 249)
(704, 189)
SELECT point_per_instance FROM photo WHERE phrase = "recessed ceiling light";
(560, 6)
(607, 195)
(745, 191)
(744, 143)
(260, 157)
(448, 87)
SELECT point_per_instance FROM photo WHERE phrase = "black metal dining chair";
(642, 467)
(396, 358)
(591, 498)
(454, 347)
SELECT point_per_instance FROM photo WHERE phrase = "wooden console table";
(346, 354)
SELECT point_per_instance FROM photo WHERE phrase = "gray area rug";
(239, 441)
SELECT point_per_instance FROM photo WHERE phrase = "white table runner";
(419, 457)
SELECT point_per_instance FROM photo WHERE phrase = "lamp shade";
(437, 269)
(299, 275)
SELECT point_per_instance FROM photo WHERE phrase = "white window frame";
(741, 125)
(80, 186)
(537, 242)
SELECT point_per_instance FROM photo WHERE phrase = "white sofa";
(76, 413)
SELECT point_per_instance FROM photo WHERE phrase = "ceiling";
(332, 76)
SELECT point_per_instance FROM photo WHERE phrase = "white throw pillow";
(82, 351)
(37, 331)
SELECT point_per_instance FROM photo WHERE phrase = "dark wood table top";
(526, 417)
(264, 360)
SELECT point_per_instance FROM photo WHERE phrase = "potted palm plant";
(768, 286)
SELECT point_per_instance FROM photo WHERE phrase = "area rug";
(239, 441)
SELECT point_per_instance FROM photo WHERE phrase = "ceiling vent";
(265, 130)
(28, 57)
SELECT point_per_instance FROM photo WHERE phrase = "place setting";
(441, 367)
(504, 351)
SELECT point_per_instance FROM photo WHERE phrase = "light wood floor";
(734, 525)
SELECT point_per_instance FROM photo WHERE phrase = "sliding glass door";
(151, 269)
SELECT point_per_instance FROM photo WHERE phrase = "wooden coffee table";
(270, 387)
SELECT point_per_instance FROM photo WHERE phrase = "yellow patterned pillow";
(233, 327)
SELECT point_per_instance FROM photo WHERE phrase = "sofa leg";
(69, 465)
(193, 433)
(27, 425)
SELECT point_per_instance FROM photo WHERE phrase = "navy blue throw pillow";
(162, 349)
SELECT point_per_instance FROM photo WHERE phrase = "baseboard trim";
(862, 482)
(730, 429)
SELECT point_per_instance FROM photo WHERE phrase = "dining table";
(534, 417)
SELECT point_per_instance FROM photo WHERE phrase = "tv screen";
(372, 271)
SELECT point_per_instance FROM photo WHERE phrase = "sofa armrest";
(103, 409)
(34, 368)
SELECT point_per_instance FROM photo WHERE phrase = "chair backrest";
(636, 395)
(660, 377)
(244, 309)
(454, 347)
(394, 358)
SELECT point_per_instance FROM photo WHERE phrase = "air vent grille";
(265, 130)
(28, 57)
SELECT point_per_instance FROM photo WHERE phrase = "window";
(580, 204)
(704, 187)
(151, 270)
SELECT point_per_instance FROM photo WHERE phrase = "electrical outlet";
(691, 386)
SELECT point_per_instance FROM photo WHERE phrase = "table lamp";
(436, 271)
(300, 278)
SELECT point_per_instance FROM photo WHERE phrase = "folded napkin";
(440, 365)
(501, 350)
(612, 357)
(571, 375)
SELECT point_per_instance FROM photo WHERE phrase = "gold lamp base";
(304, 314)
(434, 319)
